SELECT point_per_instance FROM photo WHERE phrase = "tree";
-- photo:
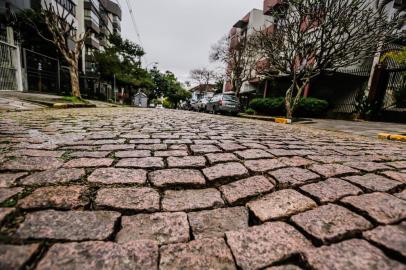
(123, 60)
(61, 25)
(240, 60)
(203, 76)
(313, 36)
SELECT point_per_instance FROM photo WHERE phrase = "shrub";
(311, 107)
(307, 107)
(250, 111)
(167, 104)
(269, 106)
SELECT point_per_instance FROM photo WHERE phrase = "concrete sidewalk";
(363, 128)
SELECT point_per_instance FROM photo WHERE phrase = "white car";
(159, 106)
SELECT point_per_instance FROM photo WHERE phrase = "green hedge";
(308, 107)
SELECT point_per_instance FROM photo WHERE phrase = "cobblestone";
(391, 237)
(164, 228)
(260, 246)
(330, 223)
(348, 255)
(280, 204)
(15, 257)
(129, 188)
(331, 190)
(197, 254)
(101, 255)
(382, 207)
(246, 188)
(192, 199)
(214, 223)
(225, 170)
(71, 197)
(118, 176)
(175, 177)
(70, 225)
(135, 199)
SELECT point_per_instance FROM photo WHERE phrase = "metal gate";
(42, 72)
(8, 66)
(395, 95)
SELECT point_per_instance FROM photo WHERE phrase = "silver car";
(223, 103)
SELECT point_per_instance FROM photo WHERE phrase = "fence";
(8, 66)
(42, 72)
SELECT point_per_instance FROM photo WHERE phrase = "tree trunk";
(288, 103)
(74, 81)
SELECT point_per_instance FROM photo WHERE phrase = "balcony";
(92, 42)
(111, 7)
(90, 24)
(243, 23)
(272, 5)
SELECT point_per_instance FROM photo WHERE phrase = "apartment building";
(100, 17)
(254, 21)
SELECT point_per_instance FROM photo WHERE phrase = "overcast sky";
(178, 34)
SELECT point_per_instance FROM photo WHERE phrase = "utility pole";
(114, 88)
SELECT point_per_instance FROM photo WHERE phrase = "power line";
(133, 21)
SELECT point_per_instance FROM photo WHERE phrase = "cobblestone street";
(124, 188)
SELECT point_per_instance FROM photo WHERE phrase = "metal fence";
(42, 72)
(8, 66)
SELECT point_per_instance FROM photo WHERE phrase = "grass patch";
(74, 100)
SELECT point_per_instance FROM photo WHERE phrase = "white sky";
(178, 34)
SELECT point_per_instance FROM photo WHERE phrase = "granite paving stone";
(32, 164)
(145, 163)
(186, 162)
(280, 204)
(89, 162)
(15, 257)
(392, 237)
(260, 246)
(225, 170)
(9, 179)
(367, 166)
(349, 255)
(176, 177)
(7, 193)
(246, 188)
(221, 157)
(292, 177)
(331, 190)
(214, 223)
(398, 176)
(58, 176)
(373, 182)
(112, 176)
(192, 199)
(61, 197)
(382, 207)
(164, 228)
(133, 154)
(209, 253)
(101, 255)
(264, 165)
(253, 154)
(330, 223)
(130, 188)
(71, 225)
(134, 199)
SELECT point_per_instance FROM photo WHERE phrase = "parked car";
(201, 104)
(194, 105)
(159, 106)
(223, 103)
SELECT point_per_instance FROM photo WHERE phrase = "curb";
(72, 105)
(278, 120)
(392, 137)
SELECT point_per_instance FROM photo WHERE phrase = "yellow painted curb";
(392, 137)
(283, 121)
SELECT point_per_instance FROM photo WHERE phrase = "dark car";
(223, 103)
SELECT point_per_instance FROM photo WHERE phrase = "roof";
(204, 88)
(141, 94)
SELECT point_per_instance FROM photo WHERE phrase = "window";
(68, 5)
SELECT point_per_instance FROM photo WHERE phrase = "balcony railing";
(270, 5)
